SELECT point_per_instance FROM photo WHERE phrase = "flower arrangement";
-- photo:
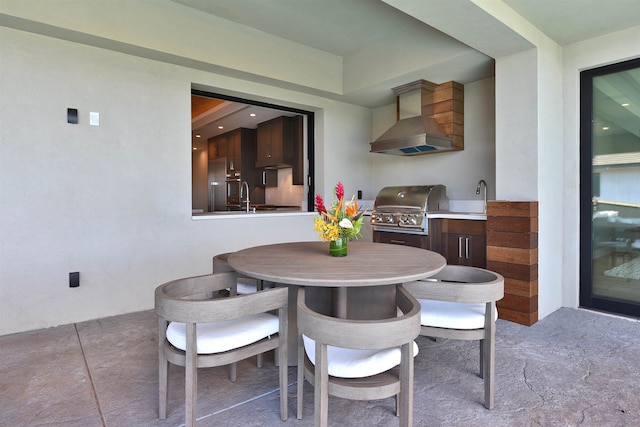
(342, 220)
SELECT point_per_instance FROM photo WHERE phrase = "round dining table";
(361, 285)
(309, 264)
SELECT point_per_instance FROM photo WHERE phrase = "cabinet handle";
(269, 151)
(460, 247)
(264, 177)
(466, 248)
(398, 242)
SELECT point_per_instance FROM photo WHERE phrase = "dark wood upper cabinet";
(275, 143)
(298, 151)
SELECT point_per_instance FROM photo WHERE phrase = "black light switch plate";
(72, 116)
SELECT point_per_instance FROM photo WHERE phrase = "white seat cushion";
(246, 286)
(352, 363)
(223, 336)
(452, 315)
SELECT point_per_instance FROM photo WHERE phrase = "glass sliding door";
(610, 188)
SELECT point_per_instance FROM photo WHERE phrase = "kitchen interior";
(246, 157)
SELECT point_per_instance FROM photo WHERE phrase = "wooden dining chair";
(459, 302)
(244, 285)
(358, 359)
(197, 331)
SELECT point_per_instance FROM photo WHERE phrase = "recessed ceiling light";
(197, 135)
(626, 104)
(252, 114)
(220, 127)
(605, 127)
(194, 148)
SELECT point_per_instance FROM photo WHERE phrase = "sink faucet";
(245, 186)
(482, 181)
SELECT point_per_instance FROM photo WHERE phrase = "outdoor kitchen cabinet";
(464, 242)
(275, 143)
(416, 240)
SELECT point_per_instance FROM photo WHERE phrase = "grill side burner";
(404, 209)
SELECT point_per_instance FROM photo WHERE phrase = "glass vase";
(338, 247)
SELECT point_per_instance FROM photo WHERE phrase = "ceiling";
(345, 28)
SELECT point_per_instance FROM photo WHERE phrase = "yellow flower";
(341, 220)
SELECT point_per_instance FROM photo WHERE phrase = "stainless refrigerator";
(216, 183)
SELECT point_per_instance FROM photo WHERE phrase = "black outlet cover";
(72, 116)
(74, 279)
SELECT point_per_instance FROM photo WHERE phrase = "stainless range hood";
(422, 134)
(412, 136)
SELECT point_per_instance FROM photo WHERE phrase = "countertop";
(245, 215)
(458, 215)
(282, 211)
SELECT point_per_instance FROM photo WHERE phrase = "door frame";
(587, 299)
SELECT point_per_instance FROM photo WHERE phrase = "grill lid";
(425, 198)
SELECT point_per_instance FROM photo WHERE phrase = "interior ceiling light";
(626, 104)
(197, 135)
(220, 127)
(605, 127)
(252, 114)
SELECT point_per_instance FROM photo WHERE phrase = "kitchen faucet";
(482, 181)
(245, 185)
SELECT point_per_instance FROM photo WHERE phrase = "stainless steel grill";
(406, 208)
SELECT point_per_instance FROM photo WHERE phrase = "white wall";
(459, 171)
(597, 52)
(114, 201)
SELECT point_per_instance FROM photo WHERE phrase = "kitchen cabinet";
(464, 242)
(416, 240)
(238, 147)
(297, 174)
(275, 143)
(266, 178)
(217, 147)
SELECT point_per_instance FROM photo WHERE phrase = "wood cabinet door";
(466, 249)
(212, 149)
(297, 130)
(234, 152)
(274, 143)
(478, 251)
(415, 240)
(266, 178)
(221, 145)
(275, 152)
(464, 242)
(263, 144)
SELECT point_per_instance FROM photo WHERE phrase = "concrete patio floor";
(574, 367)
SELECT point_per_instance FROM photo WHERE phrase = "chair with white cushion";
(460, 303)
(245, 285)
(358, 359)
(197, 331)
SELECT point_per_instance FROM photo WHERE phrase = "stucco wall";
(114, 201)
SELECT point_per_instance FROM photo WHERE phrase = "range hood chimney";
(438, 128)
